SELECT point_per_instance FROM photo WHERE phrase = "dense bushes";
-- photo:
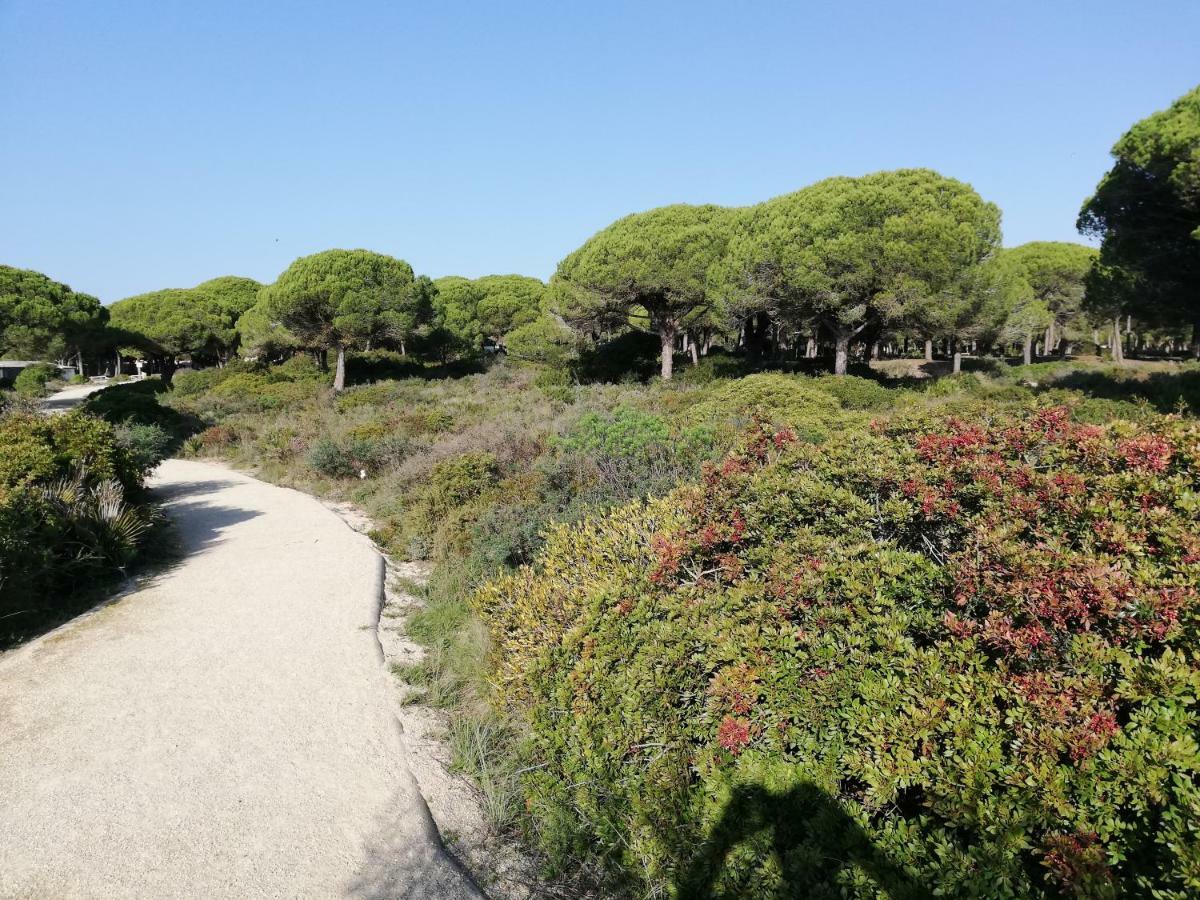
(31, 381)
(957, 660)
(71, 513)
(148, 427)
(752, 687)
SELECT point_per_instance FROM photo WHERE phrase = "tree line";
(848, 267)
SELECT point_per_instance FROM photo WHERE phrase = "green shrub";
(1165, 391)
(717, 365)
(31, 381)
(280, 442)
(301, 367)
(138, 404)
(453, 484)
(192, 382)
(328, 458)
(70, 516)
(962, 383)
(854, 392)
(632, 356)
(556, 383)
(377, 365)
(37, 450)
(79, 380)
(987, 365)
(368, 395)
(790, 400)
(543, 341)
(953, 662)
(147, 444)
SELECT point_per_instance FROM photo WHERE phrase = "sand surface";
(225, 730)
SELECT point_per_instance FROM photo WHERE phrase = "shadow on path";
(196, 525)
(811, 838)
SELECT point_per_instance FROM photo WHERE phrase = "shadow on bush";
(1165, 391)
(812, 839)
(387, 365)
(137, 404)
(632, 356)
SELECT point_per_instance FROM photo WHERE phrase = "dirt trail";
(226, 730)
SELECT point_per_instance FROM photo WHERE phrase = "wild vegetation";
(74, 514)
(791, 618)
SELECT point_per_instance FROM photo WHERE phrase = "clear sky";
(157, 143)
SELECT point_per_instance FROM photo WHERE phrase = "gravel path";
(227, 730)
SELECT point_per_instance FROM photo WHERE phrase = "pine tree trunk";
(841, 354)
(695, 352)
(928, 349)
(1027, 350)
(1118, 353)
(339, 376)
(666, 334)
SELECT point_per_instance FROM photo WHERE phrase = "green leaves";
(337, 298)
(892, 247)
(44, 318)
(173, 322)
(936, 627)
(656, 264)
(1146, 211)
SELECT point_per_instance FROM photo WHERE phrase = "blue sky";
(156, 144)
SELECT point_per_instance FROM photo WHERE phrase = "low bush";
(192, 382)
(854, 392)
(792, 400)
(956, 660)
(632, 356)
(39, 450)
(72, 516)
(377, 365)
(31, 381)
(147, 444)
(1167, 392)
(715, 366)
(326, 457)
(138, 404)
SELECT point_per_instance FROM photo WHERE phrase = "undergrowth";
(470, 470)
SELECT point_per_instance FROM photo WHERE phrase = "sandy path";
(69, 398)
(227, 730)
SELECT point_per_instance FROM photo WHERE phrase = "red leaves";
(1147, 453)
(669, 554)
(733, 734)
(960, 440)
(1053, 423)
